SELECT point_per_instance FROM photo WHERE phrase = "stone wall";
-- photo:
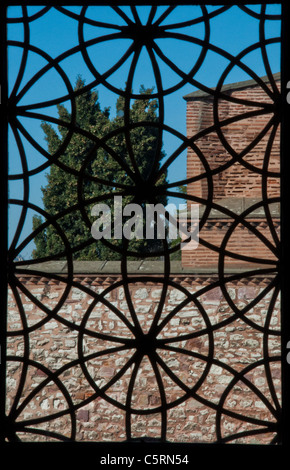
(212, 340)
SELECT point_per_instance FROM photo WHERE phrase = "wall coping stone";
(238, 205)
(146, 267)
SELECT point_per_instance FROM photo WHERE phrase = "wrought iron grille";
(33, 377)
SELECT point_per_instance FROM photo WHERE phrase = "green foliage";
(98, 160)
(40, 239)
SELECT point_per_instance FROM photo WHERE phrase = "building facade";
(233, 166)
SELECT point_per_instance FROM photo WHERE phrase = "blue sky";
(54, 33)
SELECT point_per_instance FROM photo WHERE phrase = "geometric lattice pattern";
(120, 340)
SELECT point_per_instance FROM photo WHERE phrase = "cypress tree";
(99, 161)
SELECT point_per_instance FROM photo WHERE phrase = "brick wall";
(239, 180)
(247, 245)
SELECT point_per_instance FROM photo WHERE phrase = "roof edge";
(230, 86)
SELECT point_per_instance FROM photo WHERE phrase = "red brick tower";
(235, 164)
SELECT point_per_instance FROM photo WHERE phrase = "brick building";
(235, 164)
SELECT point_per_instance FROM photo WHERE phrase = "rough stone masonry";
(59, 333)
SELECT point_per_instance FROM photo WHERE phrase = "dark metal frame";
(126, 448)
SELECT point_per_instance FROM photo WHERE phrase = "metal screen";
(41, 77)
